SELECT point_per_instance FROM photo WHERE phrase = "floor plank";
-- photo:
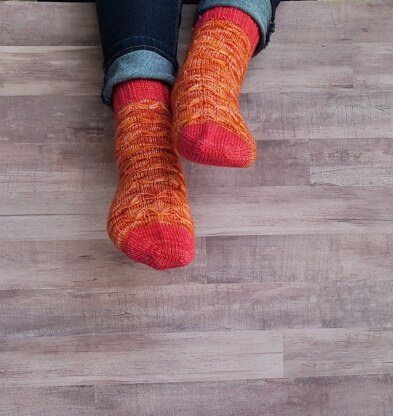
(344, 396)
(270, 116)
(142, 358)
(296, 258)
(286, 210)
(86, 264)
(366, 162)
(181, 308)
(88, 166)
(372, 64)
(77, 70)
(337, 352)
(319, 115)
(65, 24)
(297, 22)
(42, 70)
(48, 401)
(299, 258)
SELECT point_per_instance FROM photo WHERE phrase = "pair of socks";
(150, 219)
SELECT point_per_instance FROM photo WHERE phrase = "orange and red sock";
(149, 219)
(208, 127)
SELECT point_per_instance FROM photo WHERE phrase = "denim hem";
(261, 11)
(135, 43)
(141, 63)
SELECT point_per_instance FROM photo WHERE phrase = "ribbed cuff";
(140, 64)
(259, 10)
(236, 16)
(137, 90)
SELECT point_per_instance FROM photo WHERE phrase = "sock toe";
(161, 246)
(211, 144)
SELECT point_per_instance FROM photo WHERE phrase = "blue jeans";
(139, 37)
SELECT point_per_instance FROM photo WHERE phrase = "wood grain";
(42, 70)
(86, 264)
(48, 401)
(344, 396)
(77, 70)
(89, 167)
(367, 162)
(319, 115)
(142, 358)
(237, 259)
(300, 22)
(334, 21)
(270, 116)
(275, 210)
(333, 352)
(372, 64)
(299, 258)
(180, 308)
(306, 67)
(65, 24)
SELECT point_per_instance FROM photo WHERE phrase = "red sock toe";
(212, 144)
(161, 246)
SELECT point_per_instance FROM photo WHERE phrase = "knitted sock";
(208, 127)
(149, 218)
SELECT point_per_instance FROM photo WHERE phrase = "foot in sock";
(149, 219)
(208, 127)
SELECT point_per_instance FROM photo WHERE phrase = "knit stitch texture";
(208, 127)
(149, 219)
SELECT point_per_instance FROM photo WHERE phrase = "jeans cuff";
(260, 10)
(144, 64)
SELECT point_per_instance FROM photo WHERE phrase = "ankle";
(139, 89)
(236, 16)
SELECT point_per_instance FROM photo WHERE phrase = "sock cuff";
(139, 89)
(236, 16)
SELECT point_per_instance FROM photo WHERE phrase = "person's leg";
(208, 127)
(139, 40)
(149, 218)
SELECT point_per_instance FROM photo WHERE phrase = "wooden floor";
(288, 308)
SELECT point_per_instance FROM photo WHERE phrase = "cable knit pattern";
(149, 219)
(208, 126)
